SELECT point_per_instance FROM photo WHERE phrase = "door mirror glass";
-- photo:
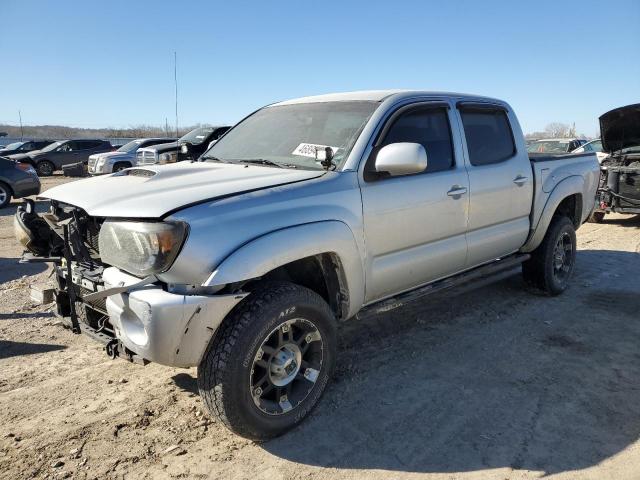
(401, 159)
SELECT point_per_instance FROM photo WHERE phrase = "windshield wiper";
(271, 163)
(212, 158)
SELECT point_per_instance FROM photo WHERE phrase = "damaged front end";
(619, 189)
(68, 238)
(107, 284)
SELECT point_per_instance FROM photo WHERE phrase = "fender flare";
(272, 250)
(573, 185)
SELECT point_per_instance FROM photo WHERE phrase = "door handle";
(457, 191)
(520, 180)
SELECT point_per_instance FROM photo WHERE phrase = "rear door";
(501, 182)
(415, 225)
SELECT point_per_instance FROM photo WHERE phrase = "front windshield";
(130, 147)
(53, 146)
(552, 146)
(596, 145)
(197, 136)
(14, 145)
(290, 134)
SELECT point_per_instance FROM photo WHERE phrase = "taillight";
(26, 167)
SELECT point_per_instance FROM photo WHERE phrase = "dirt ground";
(492, 383)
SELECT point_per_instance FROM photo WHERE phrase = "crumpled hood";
(620, 128)
(152, 192)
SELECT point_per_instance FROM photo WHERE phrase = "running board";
(480, 276)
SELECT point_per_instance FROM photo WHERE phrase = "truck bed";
(552, 172)
(548, 157)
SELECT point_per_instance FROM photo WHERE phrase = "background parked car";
(24, 147)
(123, 157)
(16, 180)
(555, 145)
(593, 146)
(188, 147)
(65, 152)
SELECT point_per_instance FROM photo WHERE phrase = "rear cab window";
(488, 134)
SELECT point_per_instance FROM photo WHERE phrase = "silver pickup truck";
(306, 213)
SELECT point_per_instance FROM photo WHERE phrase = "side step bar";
(482, 275)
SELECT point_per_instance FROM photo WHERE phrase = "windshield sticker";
(309, 149)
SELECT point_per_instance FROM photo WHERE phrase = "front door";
(415, 225)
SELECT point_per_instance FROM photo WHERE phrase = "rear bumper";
(167, 328)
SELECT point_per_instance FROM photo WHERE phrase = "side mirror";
(401, 159)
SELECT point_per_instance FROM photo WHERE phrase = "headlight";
(141, 248)
(100, 162)
(169, 157)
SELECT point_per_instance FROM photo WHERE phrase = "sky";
(111, 64)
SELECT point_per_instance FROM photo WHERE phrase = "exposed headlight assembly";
(141, 248)
(169, 157)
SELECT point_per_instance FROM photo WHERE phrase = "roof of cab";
(377, 96)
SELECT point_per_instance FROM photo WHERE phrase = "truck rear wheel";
(551, 264)
(270, 361)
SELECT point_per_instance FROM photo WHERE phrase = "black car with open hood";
(620, 179)
(620, 128)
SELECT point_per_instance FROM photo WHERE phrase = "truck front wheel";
(551, 264)
(270, 361)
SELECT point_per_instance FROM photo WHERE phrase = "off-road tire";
(538, 271)
(121, 166)
(5, 194)
(597, 217)
(45, 168)
(225, 370)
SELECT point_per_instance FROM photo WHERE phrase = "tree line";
(51, 132)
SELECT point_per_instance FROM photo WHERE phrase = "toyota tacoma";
(307, 213)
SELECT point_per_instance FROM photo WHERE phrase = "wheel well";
(320, 273)
(571, 207)
(9, 189)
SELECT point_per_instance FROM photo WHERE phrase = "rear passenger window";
(430, 128)
(488, 134)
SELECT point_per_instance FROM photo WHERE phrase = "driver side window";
(430, 128)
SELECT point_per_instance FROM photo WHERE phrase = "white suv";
(124, 157)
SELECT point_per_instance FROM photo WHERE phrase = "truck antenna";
(21, 130)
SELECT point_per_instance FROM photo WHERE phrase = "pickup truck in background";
(308, 212)
(187, 147)
(123, 157)
(619, 189)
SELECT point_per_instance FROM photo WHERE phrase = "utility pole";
(175, 80)
(21, 130)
